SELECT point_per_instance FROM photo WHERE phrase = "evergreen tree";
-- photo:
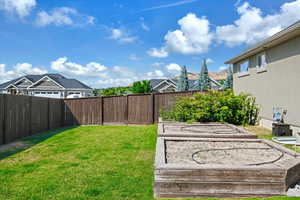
(183, 82)
(204, 80)
(229, 80)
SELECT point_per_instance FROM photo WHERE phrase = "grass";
(264, 133)
(108, 162)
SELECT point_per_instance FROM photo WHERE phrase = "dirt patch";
(14, 146)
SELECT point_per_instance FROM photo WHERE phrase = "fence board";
(2, 119)
(114, 109)
(83, 111)
(165, 101)
(39, 115)
(55, 114)
(17, 113)
(21, 116)
(140, 109)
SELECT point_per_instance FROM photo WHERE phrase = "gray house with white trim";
(270, 71)
(170, 85)
(46, 85)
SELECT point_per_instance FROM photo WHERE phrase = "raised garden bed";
(214, 167)
(202, 130)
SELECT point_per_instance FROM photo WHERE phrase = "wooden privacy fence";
(22, 116)
(130, 109)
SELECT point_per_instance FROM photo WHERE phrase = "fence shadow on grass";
(28, 142)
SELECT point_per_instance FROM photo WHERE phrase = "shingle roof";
(63, 81)
(278, 38)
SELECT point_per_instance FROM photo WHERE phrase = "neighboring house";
(170, 85)
(270, 71)
(47, 85)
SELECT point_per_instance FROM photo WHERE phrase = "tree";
(229, 80)
(204, 80)
(141, 87)
(115, 91)
(183, 82)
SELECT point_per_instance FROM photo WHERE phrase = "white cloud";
(173, 68)
(20, 7)
(123, 71)
(122, 36)
(253, 25)
(20, 69)
(157, 64)
(114, 82)
(92, 69)
(134, 57)
(143, 25)
(209, 60)
(193, 37)
(222, 68)
(155, 74)
(63, 16)
(158, 53)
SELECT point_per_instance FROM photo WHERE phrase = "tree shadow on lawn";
(28, 142)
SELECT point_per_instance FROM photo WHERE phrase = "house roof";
(280, 37)
(192, 83)
(218, 76)
(63, 81)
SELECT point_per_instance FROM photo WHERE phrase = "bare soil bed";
(226, 168)
(223, 153)
(203, 130)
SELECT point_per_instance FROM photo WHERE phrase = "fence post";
(4, 118)
(30, 113)
(62, 117)
(126, 110)
(48, 114)
(101, 109)
(152, 107)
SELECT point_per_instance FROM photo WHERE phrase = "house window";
(36, 92)
(244, 66)
(49, 92)
(43, 92)
(55, 92)
(261, 60)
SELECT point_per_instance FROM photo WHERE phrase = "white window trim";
(246, 73)
(261, 69)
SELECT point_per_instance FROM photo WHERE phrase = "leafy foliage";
(203, 83)
(214, 107)
(183, 82)
(113, 91)
(141, 87)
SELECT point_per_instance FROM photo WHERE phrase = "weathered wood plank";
(2, 115)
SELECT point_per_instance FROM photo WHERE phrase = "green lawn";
(108, 162)
(264, 133)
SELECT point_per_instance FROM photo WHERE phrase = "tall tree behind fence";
(22, 116)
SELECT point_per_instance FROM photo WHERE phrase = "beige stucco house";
(270, 71)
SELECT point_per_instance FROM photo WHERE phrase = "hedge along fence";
(22, 116)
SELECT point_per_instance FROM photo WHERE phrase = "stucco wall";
(279, 85)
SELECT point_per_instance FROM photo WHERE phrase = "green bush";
(214, 106)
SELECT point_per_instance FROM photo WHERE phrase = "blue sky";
(111, 43)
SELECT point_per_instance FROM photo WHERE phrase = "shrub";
(214, 106)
